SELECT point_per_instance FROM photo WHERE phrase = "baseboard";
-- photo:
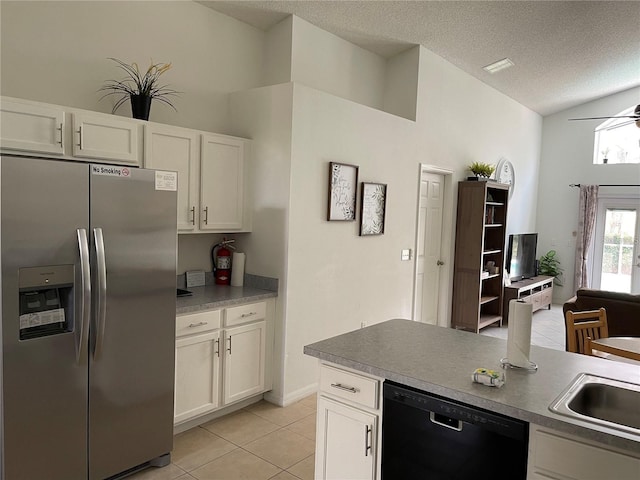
(292, 397)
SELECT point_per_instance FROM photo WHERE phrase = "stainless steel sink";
(601, 400)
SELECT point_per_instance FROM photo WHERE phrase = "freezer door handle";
(85, 297)
(101, 286)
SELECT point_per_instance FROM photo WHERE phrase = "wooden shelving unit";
(480, 238)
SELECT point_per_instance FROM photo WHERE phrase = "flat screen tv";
(521, 256)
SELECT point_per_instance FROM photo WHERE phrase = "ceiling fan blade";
(636, 117)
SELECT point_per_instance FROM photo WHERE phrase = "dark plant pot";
(605, 160)
(140, 106)
(478, 178)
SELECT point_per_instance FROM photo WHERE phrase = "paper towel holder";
(531, 367)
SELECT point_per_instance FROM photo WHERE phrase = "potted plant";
(482, 171)
(550, 265)
(140, 88)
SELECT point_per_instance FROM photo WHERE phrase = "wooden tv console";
(537, 290)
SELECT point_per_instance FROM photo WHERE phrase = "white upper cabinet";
(176, 149)
(222, 183)
(60, 132)
(106, 138)
(32, 128)
(213, 169)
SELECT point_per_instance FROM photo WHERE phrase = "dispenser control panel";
(46, 300)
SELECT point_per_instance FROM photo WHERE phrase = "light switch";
(406, 254)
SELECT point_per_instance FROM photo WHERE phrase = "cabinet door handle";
(80, 137)
(229, 349)
(193, 215)
(218, 347)
(61, 142)
(199, 324)
(206, 215)
(250, 314)
(339, 386)
(367, 440)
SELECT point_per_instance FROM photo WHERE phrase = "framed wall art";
(373, 206)
(343, 184)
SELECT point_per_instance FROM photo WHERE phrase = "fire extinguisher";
(221, 257)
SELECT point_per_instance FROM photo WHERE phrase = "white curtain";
(587, 212)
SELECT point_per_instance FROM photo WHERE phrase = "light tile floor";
(264, 441)
(547, 328)
(259, 442)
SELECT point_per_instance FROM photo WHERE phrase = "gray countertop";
(220, 296)
(441, 360)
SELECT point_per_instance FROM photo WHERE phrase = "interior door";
(133, 222)
(429, 243)
(616, 265)
(44, 377)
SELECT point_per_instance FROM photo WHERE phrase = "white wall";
(56, 52)
(401, 84)
(462, 120)
(327, 62)
(330, 278)
(567, 157)
(277, 58)
(337, 279)
(265, 115)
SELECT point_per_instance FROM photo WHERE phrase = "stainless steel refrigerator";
(88, 318)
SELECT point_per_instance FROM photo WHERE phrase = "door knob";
(439, 263)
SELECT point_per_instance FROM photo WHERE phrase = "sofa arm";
(569, 305)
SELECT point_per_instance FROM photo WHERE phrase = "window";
(617, 140)
(616, 254)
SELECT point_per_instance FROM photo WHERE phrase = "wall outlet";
(405, 254)
(363, 324)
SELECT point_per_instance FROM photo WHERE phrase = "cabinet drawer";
(546, 296)
(245, 313)
(197, 322)
(350, 386)
(537, 299)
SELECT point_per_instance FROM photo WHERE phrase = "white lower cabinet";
(197, 375)
(348, 426)
(347, 436)
(218, 365)
(560, 456)
(244, 361)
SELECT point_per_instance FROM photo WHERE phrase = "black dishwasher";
(432, 438)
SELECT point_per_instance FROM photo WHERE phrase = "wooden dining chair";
(591, 325)
(588, 349)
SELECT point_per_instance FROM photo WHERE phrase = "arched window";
(617, 140)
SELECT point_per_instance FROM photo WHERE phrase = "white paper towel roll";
(519, 334)
(237, 269)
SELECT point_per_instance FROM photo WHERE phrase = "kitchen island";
(441, 361)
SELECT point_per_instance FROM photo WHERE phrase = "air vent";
(499, 65)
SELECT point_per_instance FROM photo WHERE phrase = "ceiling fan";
(635, 117)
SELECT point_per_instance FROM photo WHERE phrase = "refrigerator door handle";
(85, 302)
(101, 285)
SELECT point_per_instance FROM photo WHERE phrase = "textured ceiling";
(565, 52)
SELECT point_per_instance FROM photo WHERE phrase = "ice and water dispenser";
(46, 300)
